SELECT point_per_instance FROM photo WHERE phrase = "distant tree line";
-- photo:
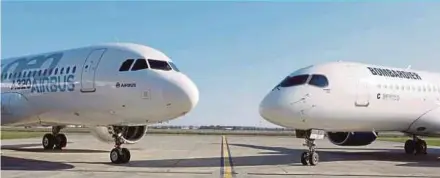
(219, 127)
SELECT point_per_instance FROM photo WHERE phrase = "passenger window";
(74, 69)
(61, 71)
(319, 81)
(67, 70)
(56, 71)
(126, 65)
(159, 65)
(174, 67)
(294, 81)
(139, 65)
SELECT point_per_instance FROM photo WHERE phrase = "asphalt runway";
(212, 156)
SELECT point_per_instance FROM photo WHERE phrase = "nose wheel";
(120, 155)
(311, 157)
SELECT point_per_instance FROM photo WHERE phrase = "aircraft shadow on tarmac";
(21, 164)
(25, 148)
(14, 163)
(288, 156)
(432, 159)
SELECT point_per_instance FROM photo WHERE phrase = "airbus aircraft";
(351, 102)
(115, 89)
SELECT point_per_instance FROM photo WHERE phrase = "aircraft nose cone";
(267, 107)
(190, 95)
(183, 94)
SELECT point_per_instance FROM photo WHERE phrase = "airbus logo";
(125, 85)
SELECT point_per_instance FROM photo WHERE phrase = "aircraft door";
(89, 69)
(362, 94)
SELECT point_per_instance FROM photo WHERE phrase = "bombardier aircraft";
(351, 102)
(115, 89)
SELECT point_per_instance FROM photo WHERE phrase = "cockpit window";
(159, 65)
(319, 81)
(139, 65)
(174, 66)
(125, 66)
(294, 81)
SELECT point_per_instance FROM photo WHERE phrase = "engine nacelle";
(130, 134)
(352, 138)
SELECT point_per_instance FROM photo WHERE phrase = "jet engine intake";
(129, 134)
(352, 138)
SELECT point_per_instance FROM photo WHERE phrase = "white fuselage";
(352, 97)
(85, 86)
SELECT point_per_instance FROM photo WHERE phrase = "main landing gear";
(415, 146)
(54, 140)
(119, 155)
(310, 157)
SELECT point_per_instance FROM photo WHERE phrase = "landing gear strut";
(415, 146)
(310, 157)
(119, 155)
(54, 140)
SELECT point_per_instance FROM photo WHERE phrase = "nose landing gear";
(118, 154)
(311, 157)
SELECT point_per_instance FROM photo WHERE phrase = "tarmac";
(212, 156)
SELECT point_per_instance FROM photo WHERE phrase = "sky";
(235, 52)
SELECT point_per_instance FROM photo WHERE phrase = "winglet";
(409, 67)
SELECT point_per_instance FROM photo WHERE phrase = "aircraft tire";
(313, 158)
(126, 154)
(305, 158)
(120, 155)
(421, 147)
(48, 141)
(61, 141)
(410, 147)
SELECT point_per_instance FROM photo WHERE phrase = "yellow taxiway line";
(226, 160)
